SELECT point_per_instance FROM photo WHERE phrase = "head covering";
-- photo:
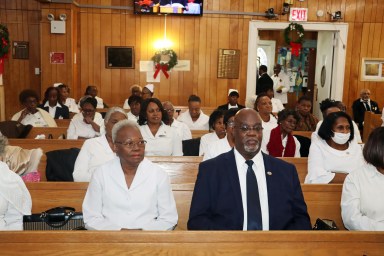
(150, 87)
(233, 92)
(57, 84)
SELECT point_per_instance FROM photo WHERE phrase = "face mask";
(341, 138)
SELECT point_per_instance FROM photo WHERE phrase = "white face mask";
(341, 138)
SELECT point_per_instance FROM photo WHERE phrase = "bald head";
(248, 132)
(365, 94)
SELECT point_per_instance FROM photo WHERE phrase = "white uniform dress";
(200, 124)
(147, 204)
(205, 140)
(166, 142)
(362, 206)
(324, 161)
(281, 81)
(132, 116)
(71, 104)
(268, 126)
(40, 119)
(100, 102)
(93, 153)
(78, 128)
(182, 129)
(217, 148)
(15, 200)
(277, 106)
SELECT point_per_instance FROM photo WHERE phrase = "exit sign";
(298, 14)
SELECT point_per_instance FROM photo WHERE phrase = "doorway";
(336, 34)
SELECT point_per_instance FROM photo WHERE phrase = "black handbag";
(58, 218)
(324, 224)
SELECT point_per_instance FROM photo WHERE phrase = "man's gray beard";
(252, 149)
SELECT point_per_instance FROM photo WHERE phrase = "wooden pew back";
(371, 121)
(323, 201)
(55, 132)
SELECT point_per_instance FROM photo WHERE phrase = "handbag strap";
(64, 213)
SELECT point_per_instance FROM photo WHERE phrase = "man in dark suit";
(233, 97)
(360, 106)
(244, 189)
(264, 82)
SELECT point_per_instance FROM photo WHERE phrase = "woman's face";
(128, 147)
(113, 119)
(88, 110)
(219, 127)
(146, 93)
(154, 114)
(52, 97)
(288, 124)
(341, 125)
(264, 105)
(30, 104)
(64, 93)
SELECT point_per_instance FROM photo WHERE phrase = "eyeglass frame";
(246, 129)
(131, 144)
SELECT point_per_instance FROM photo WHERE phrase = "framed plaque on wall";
(119, 57)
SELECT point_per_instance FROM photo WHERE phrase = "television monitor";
(176, 7)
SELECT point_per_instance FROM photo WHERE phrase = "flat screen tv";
(176, 7)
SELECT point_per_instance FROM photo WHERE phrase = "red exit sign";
(298, 14)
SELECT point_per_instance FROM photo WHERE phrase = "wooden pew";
(55, 132)
(198, 133)
(206, 110)
(323, 201)
(342, 243)
(303, 133)
(63, 122)
(183, 169)
(371, 121)
(46, 145)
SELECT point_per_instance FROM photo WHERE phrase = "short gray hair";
(122, 124)
(135, 86)
(3, 143)
(114, 110)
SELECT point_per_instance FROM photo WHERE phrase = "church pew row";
(371, 121)
(342, 243)
(183, 169)
(323, 201)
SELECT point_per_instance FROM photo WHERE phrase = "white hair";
(122, 124)
(114, 110)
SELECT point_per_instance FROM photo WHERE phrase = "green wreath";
(299, 31)
(4, 41)
(172, 58)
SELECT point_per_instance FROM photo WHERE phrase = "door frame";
(341, 30)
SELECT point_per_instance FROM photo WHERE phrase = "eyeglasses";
(132, 144)
(247, 129)
(87, 111)
(230, 123)
(170, 110)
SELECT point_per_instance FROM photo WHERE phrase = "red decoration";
(145, 2)
(1, 66)
(296, 47)
(162, 67)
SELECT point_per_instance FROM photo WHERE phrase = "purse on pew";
(324, 224)
(58, 218)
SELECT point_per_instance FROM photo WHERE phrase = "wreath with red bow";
(4, 41)
(164, 60)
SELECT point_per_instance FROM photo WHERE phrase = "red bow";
(1, 66)
(296, 47)
(162, 67)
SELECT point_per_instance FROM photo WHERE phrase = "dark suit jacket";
(264, 83)
(217, 203)
(225, 107)
(359, 111)
(62, 112)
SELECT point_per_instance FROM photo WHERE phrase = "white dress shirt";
(182, 129)
(147, 204)
(217, 148)
(324, 161)
(132, 116)
(258, 168)
(266, 138)
(205, 140)
(277, 106)
(52, 110)
(78, 128)
(166, 142)
(15, 200)
(72, 106)
(93, 153)
(356, 131)
(362, 206)
(281, 81)
(200, 124)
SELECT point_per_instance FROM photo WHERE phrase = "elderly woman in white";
(129, 192)
(99, 150)
(15, 200)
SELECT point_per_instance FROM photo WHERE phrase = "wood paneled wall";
(23, 21)
(195, 39)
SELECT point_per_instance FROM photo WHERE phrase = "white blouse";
(78, 128)
(71, 104)
(217, 148)
(324, 161)
(205, 140)
(362, 207)
(15, 200)
(147, 204)
(166, 142)
(200, 124)
(93, 153)
(182, 129)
